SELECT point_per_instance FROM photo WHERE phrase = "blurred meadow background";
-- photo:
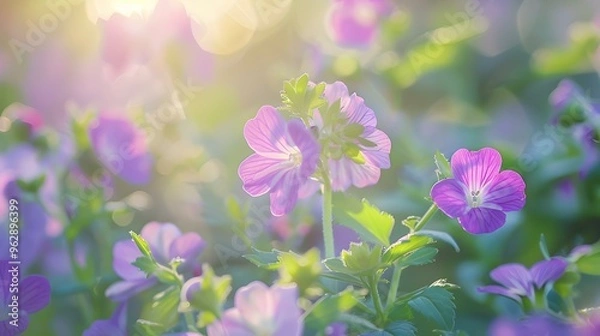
(440, 75)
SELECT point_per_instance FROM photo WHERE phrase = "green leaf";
(443, 166)
(360, 259)
(422, 256)
(141, 244)
(411, 222)
(163, 308)
(368, 221)
(145, 265)
(328, 309)
(354, 130)
(148, 328)
(544, 247)
(439, 235)
(451, 333)
(32, 186)
(209, 292)
(263, 259)
(343, 277)
(397, 328)
(436, 304)
(404, 246)
(590, 263)
(301, 269)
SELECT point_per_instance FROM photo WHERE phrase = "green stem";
(373, 280)
(328, 219)
(426, 217)
(189, 321)
(394, 286)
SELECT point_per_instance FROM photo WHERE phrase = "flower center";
(475, 199)
(295, 158)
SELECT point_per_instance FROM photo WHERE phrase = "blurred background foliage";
(441, 75)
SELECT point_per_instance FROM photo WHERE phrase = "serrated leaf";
(343, 277)
(443, 166)
(404, 246)
(439, 235)
(328, 309)
(589, 264)
(368, 221)
(436, 304)
(422, 256)
(263, 259)
(146, 265)
(398, 328)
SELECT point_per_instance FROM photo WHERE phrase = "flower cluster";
(338, 145)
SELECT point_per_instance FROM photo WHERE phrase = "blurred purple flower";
(517, 281)
(115, 326)
(537, 325)
(591, 328)
(479, 194)
(372, 144)
(579, 251)
(575, 112)
(166, 243)
(121, 148)
(33, 295)
(355, 23)
(286, 156)
(260, 310)
(336, 329)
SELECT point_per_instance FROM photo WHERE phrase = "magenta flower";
(286, 156)
(479, 194)
(166, 243)
(260, 310)
(121, 148)
(370, 148)
(517, 281)
(355, 23)
(33, 295)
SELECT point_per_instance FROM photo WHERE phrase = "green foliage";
(142, 245)
(440, 236)
(372, 224)
(436, 304)
(328, 309)
(146, 265)
(396, 328)
(262, 259)
(161, 314)
(422, 256)
(443, 170)
(32, 186)
(589, 263)
(302, 269)
(404, 246)
(361, 259)
(301, 98)
(209, 295)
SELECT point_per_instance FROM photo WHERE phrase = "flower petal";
(506, 192)
(476, 168)
(345, 172)
(188, 247)
(160, 236)
(499, 290)
(335, 91)
(255, 304)
(123, 290)
(124, 253)
(102, 328)
(449, 195)
(515, 277)
(482, 220)
(285, 300)
(266, 133)
(35, 295)
(259, 174)
(284, 196)
(309, 147)
(357, 112)
(379, 155)
(231, 324)
(548, 270)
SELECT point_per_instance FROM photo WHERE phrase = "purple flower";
(121, 148)
(336, 329)
(286, 156)
(260, 310)
(355, 23)
(517, 281)
(115, 326)
(370, 148)
(33, 295)
(591, 328)
(537, 325)
(479, 194)
(166, 243)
